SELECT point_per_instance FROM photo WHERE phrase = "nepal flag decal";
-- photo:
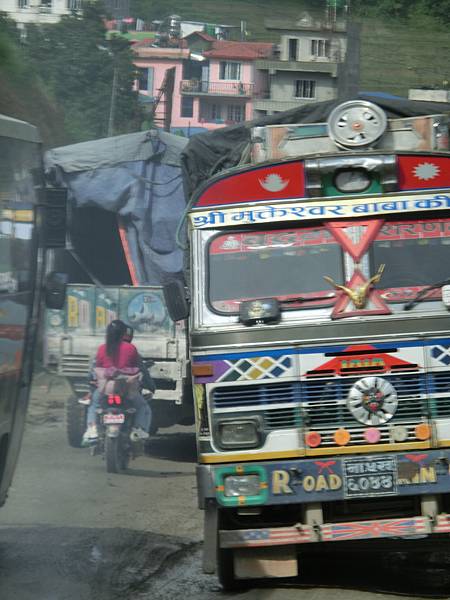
(423, 172)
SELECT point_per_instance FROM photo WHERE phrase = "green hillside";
(396, 58)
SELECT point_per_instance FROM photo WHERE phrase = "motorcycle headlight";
(242, 485)
(238, 433)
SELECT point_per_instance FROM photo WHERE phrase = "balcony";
(216, 88)
(329, 67)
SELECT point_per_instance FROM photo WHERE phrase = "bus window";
(20, 279)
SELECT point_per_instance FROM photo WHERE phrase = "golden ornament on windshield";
(359, 295)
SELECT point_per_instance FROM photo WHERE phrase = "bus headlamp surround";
(242, 485)
(238, 433)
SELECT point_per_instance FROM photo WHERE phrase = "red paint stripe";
(126, 249)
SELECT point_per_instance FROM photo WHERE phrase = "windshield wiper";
(306, 299)
(421, 295)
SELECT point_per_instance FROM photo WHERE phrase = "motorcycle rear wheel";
(116, 455)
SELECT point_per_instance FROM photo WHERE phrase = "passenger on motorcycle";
(113, 356)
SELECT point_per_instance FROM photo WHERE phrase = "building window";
(22, 3)
(293, 49)
(235, 113)
(211, 113)
(305, 88)
(216, 112)
(187, 106)
(230, 70)
(74, 4)
(145, 79)
(46, 5)
(320, 48)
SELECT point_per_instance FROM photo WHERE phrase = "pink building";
(214, 85)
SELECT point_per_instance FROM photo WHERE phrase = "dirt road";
(70, 531)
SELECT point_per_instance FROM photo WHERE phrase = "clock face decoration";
(372, 401)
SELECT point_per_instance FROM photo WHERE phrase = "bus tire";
(225, 572)
(76, 422)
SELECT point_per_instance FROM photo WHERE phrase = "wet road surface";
(70, 531)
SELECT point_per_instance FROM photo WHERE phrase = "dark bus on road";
(26, 221)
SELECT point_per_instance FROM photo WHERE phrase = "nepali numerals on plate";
(370, 476)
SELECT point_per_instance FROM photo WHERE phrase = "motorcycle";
(117, 441)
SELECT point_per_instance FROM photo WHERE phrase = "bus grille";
(320, 404)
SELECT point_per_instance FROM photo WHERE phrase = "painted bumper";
(335, 478)
(335, 532)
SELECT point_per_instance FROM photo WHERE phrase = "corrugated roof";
(203, 35)
(239, 50)
(157, 52)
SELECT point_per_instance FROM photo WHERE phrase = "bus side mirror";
(55, 290)
(54, 217)
(176, 301)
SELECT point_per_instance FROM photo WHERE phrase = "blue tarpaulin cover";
(138, 177)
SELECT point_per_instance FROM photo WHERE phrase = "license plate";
(370, 476)
(113, 419)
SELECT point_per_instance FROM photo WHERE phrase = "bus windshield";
(281, 264)
(416, 254)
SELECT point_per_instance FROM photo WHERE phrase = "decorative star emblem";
(426, 171)
(273, 183)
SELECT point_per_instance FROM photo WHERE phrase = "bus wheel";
(76, 422)
(225, 572)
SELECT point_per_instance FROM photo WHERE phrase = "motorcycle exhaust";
(134, 437)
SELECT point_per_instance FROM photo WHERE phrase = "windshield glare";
(279, 264)
(416, 254)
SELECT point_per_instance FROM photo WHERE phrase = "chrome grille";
(439, 390)
(282, 418)
(256, 395)
(321, 403)
(325, 401)
(75, 365)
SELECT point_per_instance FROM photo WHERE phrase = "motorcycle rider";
(117, 354)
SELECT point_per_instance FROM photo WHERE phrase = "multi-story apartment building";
(306, 65)
(215, 80)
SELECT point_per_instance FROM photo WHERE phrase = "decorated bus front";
(321, 350)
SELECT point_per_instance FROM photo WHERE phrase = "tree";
(85, 73)
(22, 95)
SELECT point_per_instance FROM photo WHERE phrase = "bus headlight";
(242, 485)
(238, 433)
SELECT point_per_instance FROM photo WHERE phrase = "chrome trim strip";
(357, 331)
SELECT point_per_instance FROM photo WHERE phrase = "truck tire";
(153, 427)
(76, 422)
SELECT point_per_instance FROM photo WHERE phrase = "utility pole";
(112, 104)
(349, 69)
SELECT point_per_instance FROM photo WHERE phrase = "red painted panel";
(340, 230)
(423, 172)
(275, 182)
